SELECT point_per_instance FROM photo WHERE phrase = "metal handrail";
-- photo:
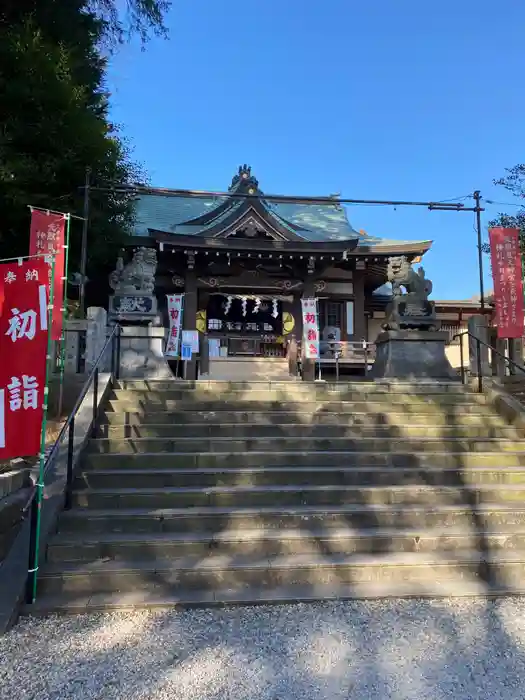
(479, 343)
(112, 340)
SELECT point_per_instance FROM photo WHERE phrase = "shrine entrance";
(247, 325)
(247, 335)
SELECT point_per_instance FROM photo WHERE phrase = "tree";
(118, 24)
(140, 17)
(513, 182)
(54, 121)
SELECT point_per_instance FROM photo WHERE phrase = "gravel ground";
(420, 650)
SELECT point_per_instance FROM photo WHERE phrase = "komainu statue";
(138, 276)
(400, 274)
(412, 309)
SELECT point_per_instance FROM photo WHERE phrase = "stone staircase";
(215, 493)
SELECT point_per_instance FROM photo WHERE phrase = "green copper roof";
(313, 222)
(167, 213)
(316, 223)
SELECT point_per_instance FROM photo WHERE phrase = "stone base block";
(412, 355)
(142, 353)
(255, 369)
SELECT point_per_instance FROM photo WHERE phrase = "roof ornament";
(245, 179)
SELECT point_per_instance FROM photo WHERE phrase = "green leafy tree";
(139, 17)
(514, 182)
(54, 118)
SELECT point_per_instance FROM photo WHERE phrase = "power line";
(282, 199)
(505, 204)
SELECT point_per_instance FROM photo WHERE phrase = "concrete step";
(295, 392)
(300, 430)
(285, 443)
(298, 476)
(322, 458)
(489, 516)
(287, 496)
(474, 403)
(177, 576)
(159, 599)
(225, 387)
(484, 419)
(67, 548)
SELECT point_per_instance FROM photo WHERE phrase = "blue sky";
(385, 99)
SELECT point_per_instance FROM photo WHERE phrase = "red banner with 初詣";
(47, 238)
(23, 349)
(505, 257)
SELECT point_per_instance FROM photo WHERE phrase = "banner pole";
(25, 257)
(36, 508)
(62, 360)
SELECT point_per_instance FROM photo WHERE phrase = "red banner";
(508, 284)
(23, 349)
(47, 236)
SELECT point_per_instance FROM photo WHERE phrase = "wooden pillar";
(204, 355)
(189, 320)
(308, 364)
(360, 332)
(292, 356)
(297, 316)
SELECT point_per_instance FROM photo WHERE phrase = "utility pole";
(478, 210)
(83, 249)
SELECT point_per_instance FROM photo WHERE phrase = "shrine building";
(244, 263)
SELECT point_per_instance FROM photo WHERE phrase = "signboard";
(23, 349)
(508, 284)
(191, 338)
(185, 352)
(310, 328)
(47, 237)
(131, 303)
(214, 347)
(175, 310)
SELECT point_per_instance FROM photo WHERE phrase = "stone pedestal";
(412, 355)
(477, 325)
(96, 337)
(142, 353)
(134, 307)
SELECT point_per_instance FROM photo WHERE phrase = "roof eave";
(238, 244)
(408, 248)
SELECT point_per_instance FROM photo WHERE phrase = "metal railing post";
(365, 349)
(113, 354)
(69, 477)
(117, 366)
(480, 375)
(32, 572)
(461, 359)
(95, 401)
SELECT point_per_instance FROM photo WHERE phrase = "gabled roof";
(218, 215)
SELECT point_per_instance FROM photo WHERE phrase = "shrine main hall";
(244, 263)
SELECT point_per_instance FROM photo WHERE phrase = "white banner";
(175, 309)
(310, 328)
